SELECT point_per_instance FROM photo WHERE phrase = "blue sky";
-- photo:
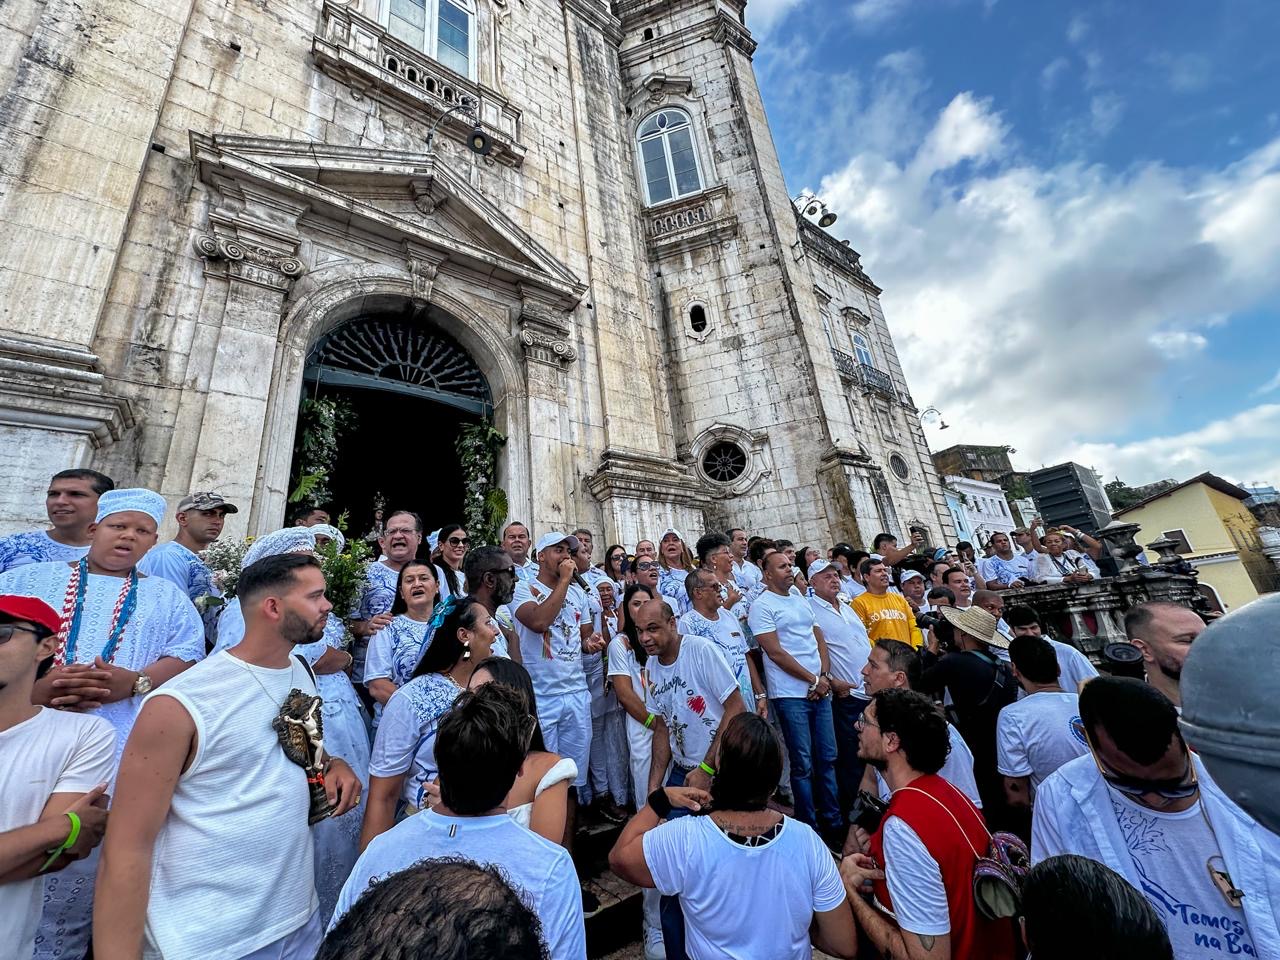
(1074, 209)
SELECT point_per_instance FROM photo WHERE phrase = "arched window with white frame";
(668, 155)
(444, 30)
(862, 350)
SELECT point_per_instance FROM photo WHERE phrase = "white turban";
(288, 540)
(134, 499)
(333, 533)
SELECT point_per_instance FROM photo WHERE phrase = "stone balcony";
(691, 222)
(863, 374)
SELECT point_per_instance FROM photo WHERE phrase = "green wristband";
(648, 721)
(706, 768)
(66, 844)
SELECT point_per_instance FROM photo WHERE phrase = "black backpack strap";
(307, 667)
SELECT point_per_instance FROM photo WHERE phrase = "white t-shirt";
(1035, 736)
(406, 739)
(791, 617)
(914, 880)
(1073, 665)
(55, 751)
(689, 695)
(744, 902)
(957, 771)
(394, 651)
(1169, 852)
(726, 633)
(622, 662)
(554, 657)
(746, 574)
(539, 870)
(848, 645)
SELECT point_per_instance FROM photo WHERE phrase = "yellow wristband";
(648, 721)
(72, 836)
(706, 768)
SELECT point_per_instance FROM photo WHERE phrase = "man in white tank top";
(209, 807)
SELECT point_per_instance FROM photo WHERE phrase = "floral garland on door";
(484, 503)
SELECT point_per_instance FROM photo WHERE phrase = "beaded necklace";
(73, 613)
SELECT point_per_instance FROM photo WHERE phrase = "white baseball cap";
(554, 537)
(912, 575)
(819, 565)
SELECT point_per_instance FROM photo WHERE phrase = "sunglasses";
(1172, 788)
(646, 565)
(7, 630)
(458, 541)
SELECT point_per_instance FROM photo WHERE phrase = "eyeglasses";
(458, 541)
(1172, 788)
(509, 571)
(862, 722)
(646, 565)
(406, 531)
(7, 630)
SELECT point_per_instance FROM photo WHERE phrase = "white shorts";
(566, 729)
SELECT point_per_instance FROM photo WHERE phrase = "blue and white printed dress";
(21, 549)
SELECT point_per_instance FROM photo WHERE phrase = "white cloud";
(1078, 28)
(763, 15)
(1184, 72)
(1052, 71)
(1054, 307)
(1269, 387)
(873, 13)
(1105, 111)
(1178, 344)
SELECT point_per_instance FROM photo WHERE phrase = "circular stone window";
(724, 462)
(899, 466)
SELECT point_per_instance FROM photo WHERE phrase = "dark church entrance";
(410, 388)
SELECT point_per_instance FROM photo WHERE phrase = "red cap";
(31, 609)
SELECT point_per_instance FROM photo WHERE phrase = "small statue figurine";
(300, 728)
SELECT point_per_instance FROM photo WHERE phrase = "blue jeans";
(845, 712)
(669, 908)
(811, 741)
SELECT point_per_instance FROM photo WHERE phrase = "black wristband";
(659, 804)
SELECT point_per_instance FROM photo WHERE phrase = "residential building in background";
(1215, 532)
(564, 218)
(979, 509)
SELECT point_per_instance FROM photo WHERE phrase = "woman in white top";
(394, 651)
(539, 799)
(403, 760)
(1059, 565)
(752, 882)
(450, 550)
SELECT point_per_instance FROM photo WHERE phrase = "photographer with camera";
(980, 686)
(753, 882)
(912, 888)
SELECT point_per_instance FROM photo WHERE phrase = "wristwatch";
(814, 686)
(142, 686)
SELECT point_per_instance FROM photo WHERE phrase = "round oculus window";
(724, 462)
(899, 466)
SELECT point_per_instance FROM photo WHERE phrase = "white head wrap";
(433, 539)
(288, 540)
(131, 499)
(332, 532)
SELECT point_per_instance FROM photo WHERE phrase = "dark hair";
(758, 548)
(100, 482)
(749, 766)
(1139, 718)
(506, 671)
(960, 570)
(1076, 907)
(452, 575)
(933, 565)
(516, 523)
(1138, 619)
(446, 909)
(783, 544)
(398, 605)
(629, 625)
(844, 550)
(881, 538)
(1022, 617)
(444, 649)
(901, 655)
(582, 530)
(870, 564)
(801, 562)
(482, 560)
(272, 573)
(479, 748)
(302, 511)
(708, 542)
(417, 520)
(938, 593)
(922, 733)
(731, 531)
(622, 567)
(1035, 659)
(694, 580)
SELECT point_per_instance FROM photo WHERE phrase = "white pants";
(302, 944)
(640, 740)
(566, 729)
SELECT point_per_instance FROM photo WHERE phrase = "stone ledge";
(631, 473)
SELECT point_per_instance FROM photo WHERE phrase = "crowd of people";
(804, 747)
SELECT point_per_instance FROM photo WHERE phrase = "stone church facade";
(207, 206)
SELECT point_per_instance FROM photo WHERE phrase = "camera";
(926, 620)
(867, 811)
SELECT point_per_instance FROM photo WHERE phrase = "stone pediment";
(412, 200)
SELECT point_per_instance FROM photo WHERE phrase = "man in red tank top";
(911, 888)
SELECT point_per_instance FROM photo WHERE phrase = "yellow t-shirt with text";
(887, 617)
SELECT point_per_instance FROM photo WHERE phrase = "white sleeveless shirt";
(232, 868)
